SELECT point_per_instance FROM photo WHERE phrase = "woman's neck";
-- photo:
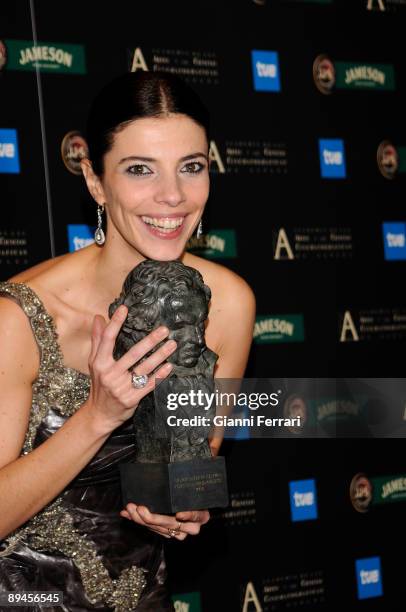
(113, 264)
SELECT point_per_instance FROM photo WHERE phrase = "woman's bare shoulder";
(39, 269)
(19, 357)
(50, 273)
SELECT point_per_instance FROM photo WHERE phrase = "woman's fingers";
(162, 523)
(96, 335)
(194, 516)
(104, 337)
(137, 394)
(106, 346)
(154, 360)
(133, 514)
(144, 346)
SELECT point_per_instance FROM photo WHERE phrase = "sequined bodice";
(77, 523)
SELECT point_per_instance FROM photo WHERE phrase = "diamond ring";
(138, 381)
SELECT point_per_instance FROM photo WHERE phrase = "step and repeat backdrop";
(308, 179)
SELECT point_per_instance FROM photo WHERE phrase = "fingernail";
(171, 344)
(163, 331)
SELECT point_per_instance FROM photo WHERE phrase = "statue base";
(167, 488)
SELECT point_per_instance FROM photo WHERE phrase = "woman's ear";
(92, 181)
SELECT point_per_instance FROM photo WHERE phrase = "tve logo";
(303, 501)
(369, 577)
(394, 240)
(332, 159)
(9, 160)
(265, 69)
(80, 236)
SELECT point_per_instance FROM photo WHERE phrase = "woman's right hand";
(113, 399)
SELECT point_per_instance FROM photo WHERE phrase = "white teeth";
(164, 223)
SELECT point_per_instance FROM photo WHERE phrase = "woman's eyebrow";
(151, 159)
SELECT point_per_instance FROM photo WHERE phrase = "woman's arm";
(29, 482)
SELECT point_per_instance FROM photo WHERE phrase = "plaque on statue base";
(167, 488)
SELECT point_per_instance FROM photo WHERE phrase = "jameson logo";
(333, 408)
(366, 492)
(352, 75)
(279, 328)
(389, 489)
(187, 602)
(215, 244)
(48, 57)
(365, 76)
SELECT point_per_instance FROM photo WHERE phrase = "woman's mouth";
(164, 227)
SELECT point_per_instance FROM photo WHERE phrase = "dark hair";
(136, 95)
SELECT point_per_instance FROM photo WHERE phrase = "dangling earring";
(99, 236)
(199, 230)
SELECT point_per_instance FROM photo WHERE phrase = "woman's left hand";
(178, 526)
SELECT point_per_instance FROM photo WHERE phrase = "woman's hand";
(113, 399)
(181, 525)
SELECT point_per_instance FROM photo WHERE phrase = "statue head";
(165, 293)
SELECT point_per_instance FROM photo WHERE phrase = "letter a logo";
(251, 597)
(283, 243)
(214, 156)
(139, 62)
(348, 327)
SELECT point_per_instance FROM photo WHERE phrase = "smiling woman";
(66, 423)
(148, 197)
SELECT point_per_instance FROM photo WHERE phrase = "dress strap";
(42, 324)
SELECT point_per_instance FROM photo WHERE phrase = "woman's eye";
(139, 170)
(193, 168)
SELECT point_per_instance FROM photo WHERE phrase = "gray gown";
(78, 543)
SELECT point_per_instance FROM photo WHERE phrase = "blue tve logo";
(369, 577)
(332, 159)
(303, 500)
(80, 236)
(394, 241)
(9, 159)
(265, 70)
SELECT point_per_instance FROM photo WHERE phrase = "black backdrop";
(255, 541)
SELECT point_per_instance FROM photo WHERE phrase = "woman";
(66, 404)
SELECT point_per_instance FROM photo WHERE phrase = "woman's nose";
(169, 191)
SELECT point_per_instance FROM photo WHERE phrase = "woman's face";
(156, 184)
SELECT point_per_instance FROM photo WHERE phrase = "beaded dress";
(78, 543)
